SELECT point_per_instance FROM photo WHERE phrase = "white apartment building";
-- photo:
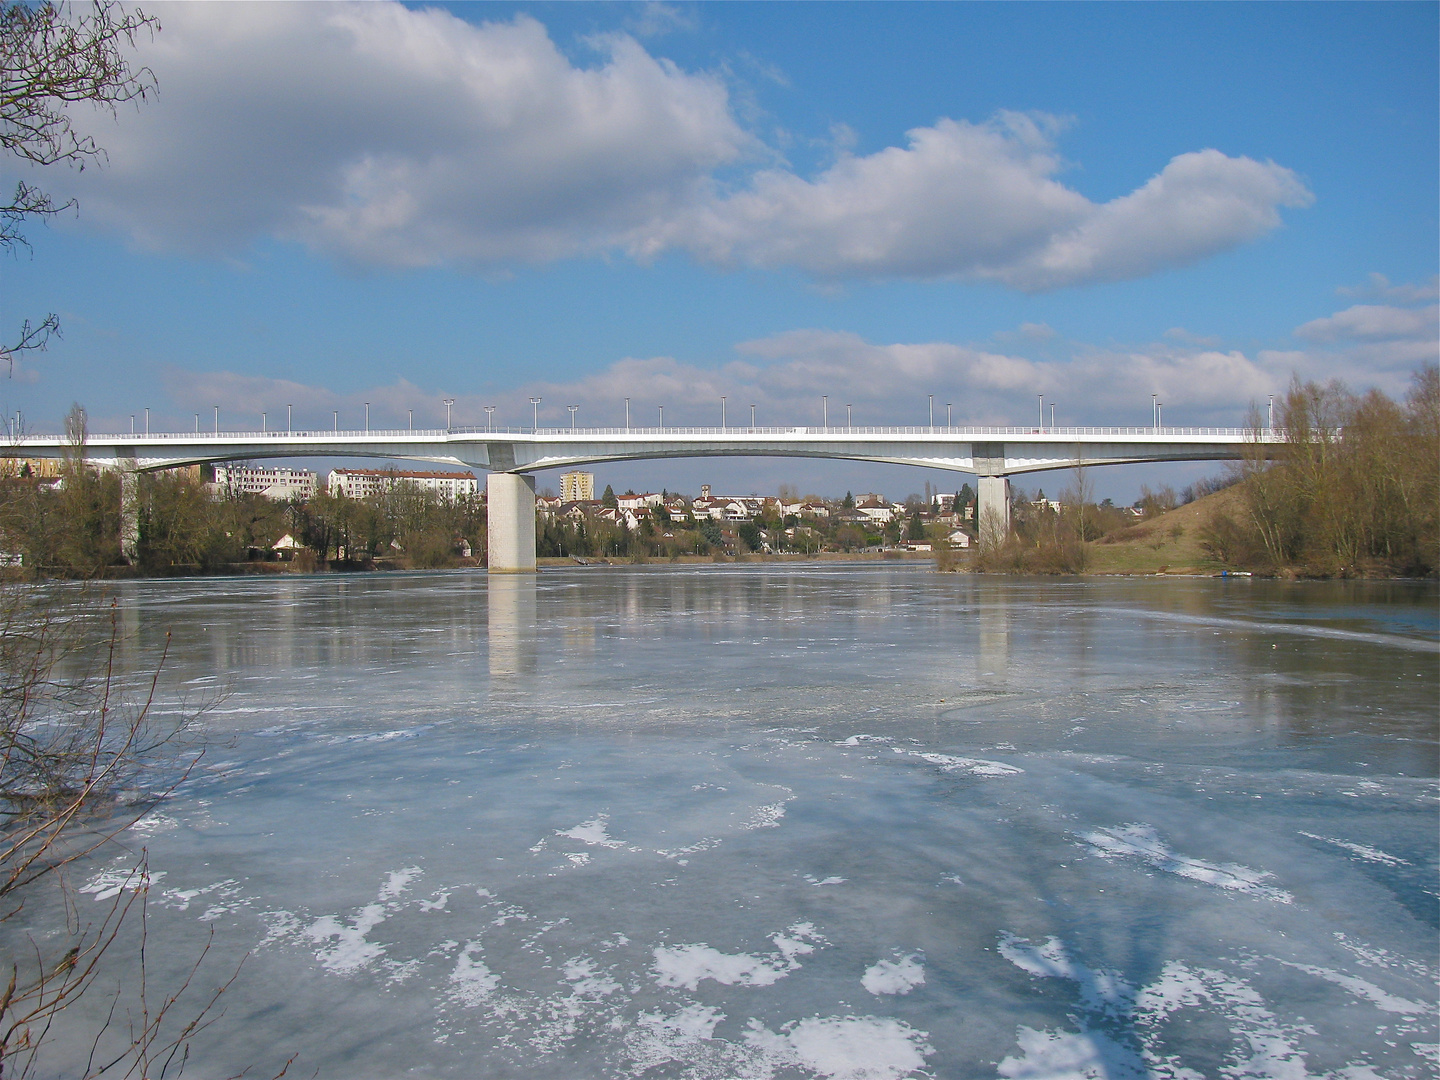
(361, 483)
(279, 483)
(577, 487)
(636, 502)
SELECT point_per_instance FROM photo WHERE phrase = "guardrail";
(564, 433)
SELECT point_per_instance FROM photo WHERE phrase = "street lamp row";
(1156, 404)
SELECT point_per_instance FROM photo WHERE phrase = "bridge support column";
(510, 522)
(992, 510)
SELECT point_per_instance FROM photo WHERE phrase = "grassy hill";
(1169, 543)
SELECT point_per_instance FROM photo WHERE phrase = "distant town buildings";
(577, 487)
(279, 484)
(362, 483)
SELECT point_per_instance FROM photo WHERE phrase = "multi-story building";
(577, 487)
(277, 483)
(361, 483)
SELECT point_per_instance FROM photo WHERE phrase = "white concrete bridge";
(992, 454)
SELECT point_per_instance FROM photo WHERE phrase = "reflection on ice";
(510, 601)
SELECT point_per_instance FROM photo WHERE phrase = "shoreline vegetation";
(1354, 492)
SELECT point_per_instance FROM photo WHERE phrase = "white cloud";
(384, 136)
(1374, 344)
(1373, 322)
(981, 202)
(1378, 287)
(391, 137)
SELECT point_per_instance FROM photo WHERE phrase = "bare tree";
(52, 57)
(81, 760)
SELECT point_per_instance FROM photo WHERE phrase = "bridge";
(511, 457)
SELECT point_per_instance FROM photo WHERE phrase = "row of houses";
(284, 483)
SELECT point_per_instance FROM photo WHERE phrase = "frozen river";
(774, 822)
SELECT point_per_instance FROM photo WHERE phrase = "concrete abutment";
(510, 522)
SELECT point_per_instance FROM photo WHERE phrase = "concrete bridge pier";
(510, 522)
(992, 510)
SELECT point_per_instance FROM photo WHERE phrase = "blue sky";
(326, 205)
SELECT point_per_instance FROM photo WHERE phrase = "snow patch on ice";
(689, 965)
(584, 979)
(894, 976)
(345, 949)
(766, 817)
(658, 1039)
(1369, 854)
(1075, 1055)
(111, 883)
(471, 981)
(974, 766)
(1363, 989)
(397, 881)
(1143, 842)
(845, 1047)
(592, 832)
(151, 824)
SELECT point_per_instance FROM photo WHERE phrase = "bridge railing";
(939, 431)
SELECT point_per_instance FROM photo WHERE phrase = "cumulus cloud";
(1372, 322)
(1375, 344)
(384, 136)
(981, 202)
(390, 137)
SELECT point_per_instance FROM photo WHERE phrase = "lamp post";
(1155, 410)
(447, 402)
(367, 416)
(132, 423)
(217, 419)
(627, 416)
(412, 418)
(825, 411)
(197, 423)
(722, 412)
(147, 421)
(661, 425)
(752, 416)
(535, 414)
(1270, 414)
(847, 418)
(573, 409)
(1040, 410)
(1159, 413)
(335, 417)
(264, 424)
(289, 430)
(489, 417)
(1052, 416)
